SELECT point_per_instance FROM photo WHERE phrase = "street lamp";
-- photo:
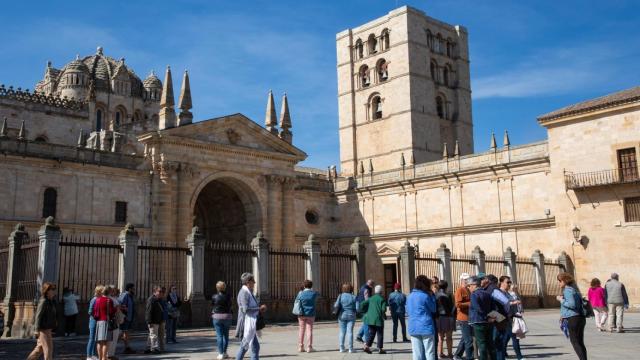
(576, 234)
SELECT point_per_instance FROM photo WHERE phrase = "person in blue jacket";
(572, 312)
(397, 301)
(307, 299)
(421, 307)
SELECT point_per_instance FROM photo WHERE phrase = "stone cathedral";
(96, 146)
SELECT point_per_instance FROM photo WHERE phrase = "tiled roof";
(615, 99)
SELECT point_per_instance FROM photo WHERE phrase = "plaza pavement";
(544, 341)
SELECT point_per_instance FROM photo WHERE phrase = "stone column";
(478, 254)
(15, 241)
(261, 266)
(312, 269)
(407, 266)
(49, 235)
(565, 261)
(195, 278)
(274, 209)
(541, 280)
(444, 255)
(288, 208)
(512, 269)
(358, 266)
(128, 259)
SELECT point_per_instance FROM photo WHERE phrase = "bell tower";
(403, 91)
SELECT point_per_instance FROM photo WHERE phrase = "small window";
(632, 209)
(121, 212)
(364, 76)
(628, 164)
(311, 217)
(376, 108)
(50, 202)
(383, 74)
(385, 39)
(117, 118)
(429, 40)
(99, 120)
(373, 44)
(359, 49)
(445, 75)
(440, 107)
(433, 67)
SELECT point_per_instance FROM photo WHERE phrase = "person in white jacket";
(70, 300)
(518, 323)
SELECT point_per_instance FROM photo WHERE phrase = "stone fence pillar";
(261, 266)
(15, 241)
(128, 259)
(49, 235)
(407, 266)
(195, 278)
(444, 255)
(312, 268)
(358, 266)
(510, 260)
(478, 254)
(565, 261)
(541, 280)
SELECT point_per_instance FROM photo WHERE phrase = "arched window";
(359, 49)
(430, 40)
(40, 139)
(440, 107)
(373, 44)
(118, 116)
(364, 76)
(449, 48)
(137, 116)
(382, 69)
(439, 44)
(385, 39)
(98, 120)
(445, 75)
(49, 202)
(433, 67)
(376, 107)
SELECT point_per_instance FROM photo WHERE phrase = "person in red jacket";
(103, 311)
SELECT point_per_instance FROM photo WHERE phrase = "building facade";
(96, 147)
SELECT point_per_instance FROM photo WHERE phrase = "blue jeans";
(91, 345)
(222, 334)
(465, 346)
(171, 327)
(423, 347)
(255, 350)
(395, 318)
(500, 340)
(346, 328)
(363, 333)
(516, 344)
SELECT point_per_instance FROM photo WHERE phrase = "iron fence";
(226, 262)
(527, 282)
(336, 270)
(287, 269)
(461, 264)
(495, 265)
(427, 264)
(551, 270)
(161, 264)
(27, 277)
(85, 262)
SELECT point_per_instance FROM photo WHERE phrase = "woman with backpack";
(572, 313)
(446, 320)
(345, 308)
(92, 353)
(222, 317)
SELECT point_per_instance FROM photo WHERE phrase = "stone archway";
(228, 213)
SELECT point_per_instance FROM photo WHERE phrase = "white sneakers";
(220, 356)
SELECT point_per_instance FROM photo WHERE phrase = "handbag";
(260, 322)
(112, 322)
(587, 309)
(296, 308)
(337, 306)
(519, 328)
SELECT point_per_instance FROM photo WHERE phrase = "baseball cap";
(481, 275)
(464, 276)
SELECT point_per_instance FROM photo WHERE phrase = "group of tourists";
(487, 310)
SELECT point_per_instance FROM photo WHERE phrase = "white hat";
(464, 276)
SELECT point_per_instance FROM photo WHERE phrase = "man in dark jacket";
(153, 316)
(481, 306)
(365, 292)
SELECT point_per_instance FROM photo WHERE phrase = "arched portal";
(227, 211)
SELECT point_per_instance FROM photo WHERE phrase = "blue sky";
(527, 57)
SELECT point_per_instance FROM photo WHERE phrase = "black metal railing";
(161, 265)
(226, 262)
(337, 269)
(602, 177)
(287, 268)
(27, 277)
(527, 283)
(427, 264)
(85, 262)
